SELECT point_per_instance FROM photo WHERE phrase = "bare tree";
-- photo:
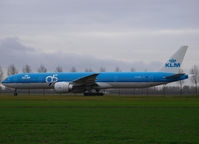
(117, 69)
(195, 76)
(12, 70)
(73, 69)
(181, 82)
(58, 69)
(1, 74)
(42, 69)
(102, 69)
(26, 69)
(88, 70)
(133, 69)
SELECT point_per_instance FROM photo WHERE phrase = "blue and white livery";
(93, 83)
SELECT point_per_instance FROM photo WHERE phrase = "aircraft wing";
(87, 80)
(175, 76)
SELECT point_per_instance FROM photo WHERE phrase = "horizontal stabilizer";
(175, 76)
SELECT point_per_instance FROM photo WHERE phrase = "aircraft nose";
(3, 81)
(6, 82)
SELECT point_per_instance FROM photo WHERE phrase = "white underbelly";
(128, 84)
(28, 85)
(103, 85)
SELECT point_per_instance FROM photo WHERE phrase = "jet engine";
(63, 87)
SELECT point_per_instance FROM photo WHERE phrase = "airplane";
(93, 83)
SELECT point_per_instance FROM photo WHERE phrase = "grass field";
(99, 120)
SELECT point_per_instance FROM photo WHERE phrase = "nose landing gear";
(15, 92)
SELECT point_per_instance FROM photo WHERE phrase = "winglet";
(174, 63)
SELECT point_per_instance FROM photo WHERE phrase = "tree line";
(12, 70)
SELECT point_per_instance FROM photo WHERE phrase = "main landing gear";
(93, 93)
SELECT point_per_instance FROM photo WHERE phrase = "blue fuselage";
(103, 80)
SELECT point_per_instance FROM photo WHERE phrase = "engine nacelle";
(62, 87)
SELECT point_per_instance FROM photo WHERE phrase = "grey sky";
(67, 61)
(102, 31)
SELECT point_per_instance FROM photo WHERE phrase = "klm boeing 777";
(93, 83)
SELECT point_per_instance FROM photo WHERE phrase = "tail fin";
(174, 63)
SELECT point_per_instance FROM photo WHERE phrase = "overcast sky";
(98, 33)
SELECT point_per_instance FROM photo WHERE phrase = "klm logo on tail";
(172, 63)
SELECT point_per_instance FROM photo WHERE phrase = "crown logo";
(172, 60)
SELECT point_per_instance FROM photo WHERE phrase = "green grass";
(99, 120)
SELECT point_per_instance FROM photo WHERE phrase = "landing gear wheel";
(88, 93)
(100, 94)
